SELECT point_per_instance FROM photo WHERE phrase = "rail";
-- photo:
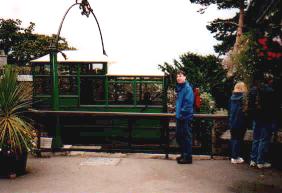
(129, 117)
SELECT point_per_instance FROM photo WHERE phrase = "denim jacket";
(237, 118)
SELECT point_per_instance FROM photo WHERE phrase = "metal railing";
(68, 120)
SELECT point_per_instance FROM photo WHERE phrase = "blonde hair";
(240, 87)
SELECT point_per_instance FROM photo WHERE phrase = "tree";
(205, 72)
(259, 49)
(227, 31)
(21, 45)
(245, 58)
(9, 33)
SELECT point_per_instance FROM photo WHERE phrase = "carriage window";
(99, 91)
(42, 69)
(42, 85)
(151, 78)
(121, 93)
(125, 78)
(93, 69)
(149, 94)
(67, 85)
(92, 91)
(67, 79)
(67, 69)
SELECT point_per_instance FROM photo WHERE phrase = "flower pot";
(11, 164)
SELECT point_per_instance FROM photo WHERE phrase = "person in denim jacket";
(263, 107)
(237, 120)
(184, 114)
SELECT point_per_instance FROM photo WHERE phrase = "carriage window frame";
(92, 71)
(123, 97)
(101, 102)
(140, 98)
(71, 72)
(44, 72)
(46, 69)
(137, 80)
(107, 80)
(67, 69)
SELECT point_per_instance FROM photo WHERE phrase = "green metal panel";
(137, 81)
(106, 85)
(134, 91)
(165, 87)
(129, 108)
(42, 101)
(55, 82)
(78, 83)
(57, 141)
(68, 101)
(105, 66)
(142, 129)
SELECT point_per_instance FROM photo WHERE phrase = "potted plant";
(16, 130)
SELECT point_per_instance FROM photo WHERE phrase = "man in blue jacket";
(184, 114)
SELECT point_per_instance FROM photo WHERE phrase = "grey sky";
(135, 31)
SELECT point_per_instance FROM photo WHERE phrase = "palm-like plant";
(16, 130)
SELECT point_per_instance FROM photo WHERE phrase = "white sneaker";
(233, 161)
(265, 165)
(237, 161)
(240, 160)
(253, 164)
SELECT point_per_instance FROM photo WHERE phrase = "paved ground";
(133, 174)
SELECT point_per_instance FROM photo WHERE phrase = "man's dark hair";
(181, 72)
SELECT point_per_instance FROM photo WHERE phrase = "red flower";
(262, 41)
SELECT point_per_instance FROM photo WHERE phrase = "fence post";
(130, 128)
(213, 139)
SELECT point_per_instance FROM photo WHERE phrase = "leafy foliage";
(245, 58)
(205, 72)
(16, 131)
(9, 33)
(207, 103)
(22, 45)
(224, 30)
(265, 19)
(221, 4)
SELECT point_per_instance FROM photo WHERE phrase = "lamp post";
(86, 10)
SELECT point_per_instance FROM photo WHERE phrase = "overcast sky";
(134, 31)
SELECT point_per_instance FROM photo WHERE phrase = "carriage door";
(92, 80)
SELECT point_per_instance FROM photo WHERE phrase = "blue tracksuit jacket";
(184, 101)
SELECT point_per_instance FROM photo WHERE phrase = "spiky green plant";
(16, 130)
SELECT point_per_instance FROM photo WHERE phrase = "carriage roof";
(115, 68)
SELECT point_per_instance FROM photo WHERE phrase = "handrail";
(122, 114)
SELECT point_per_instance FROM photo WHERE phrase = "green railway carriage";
(95, 83)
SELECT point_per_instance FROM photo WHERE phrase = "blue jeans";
(235, 148)
(237, 136)
(184, 137)
(261, 139)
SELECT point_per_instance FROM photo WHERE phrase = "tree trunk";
(231, 66)
(240, 26)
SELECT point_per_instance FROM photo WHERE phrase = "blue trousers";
(184, 137)
(237, 136)
(262, 132)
